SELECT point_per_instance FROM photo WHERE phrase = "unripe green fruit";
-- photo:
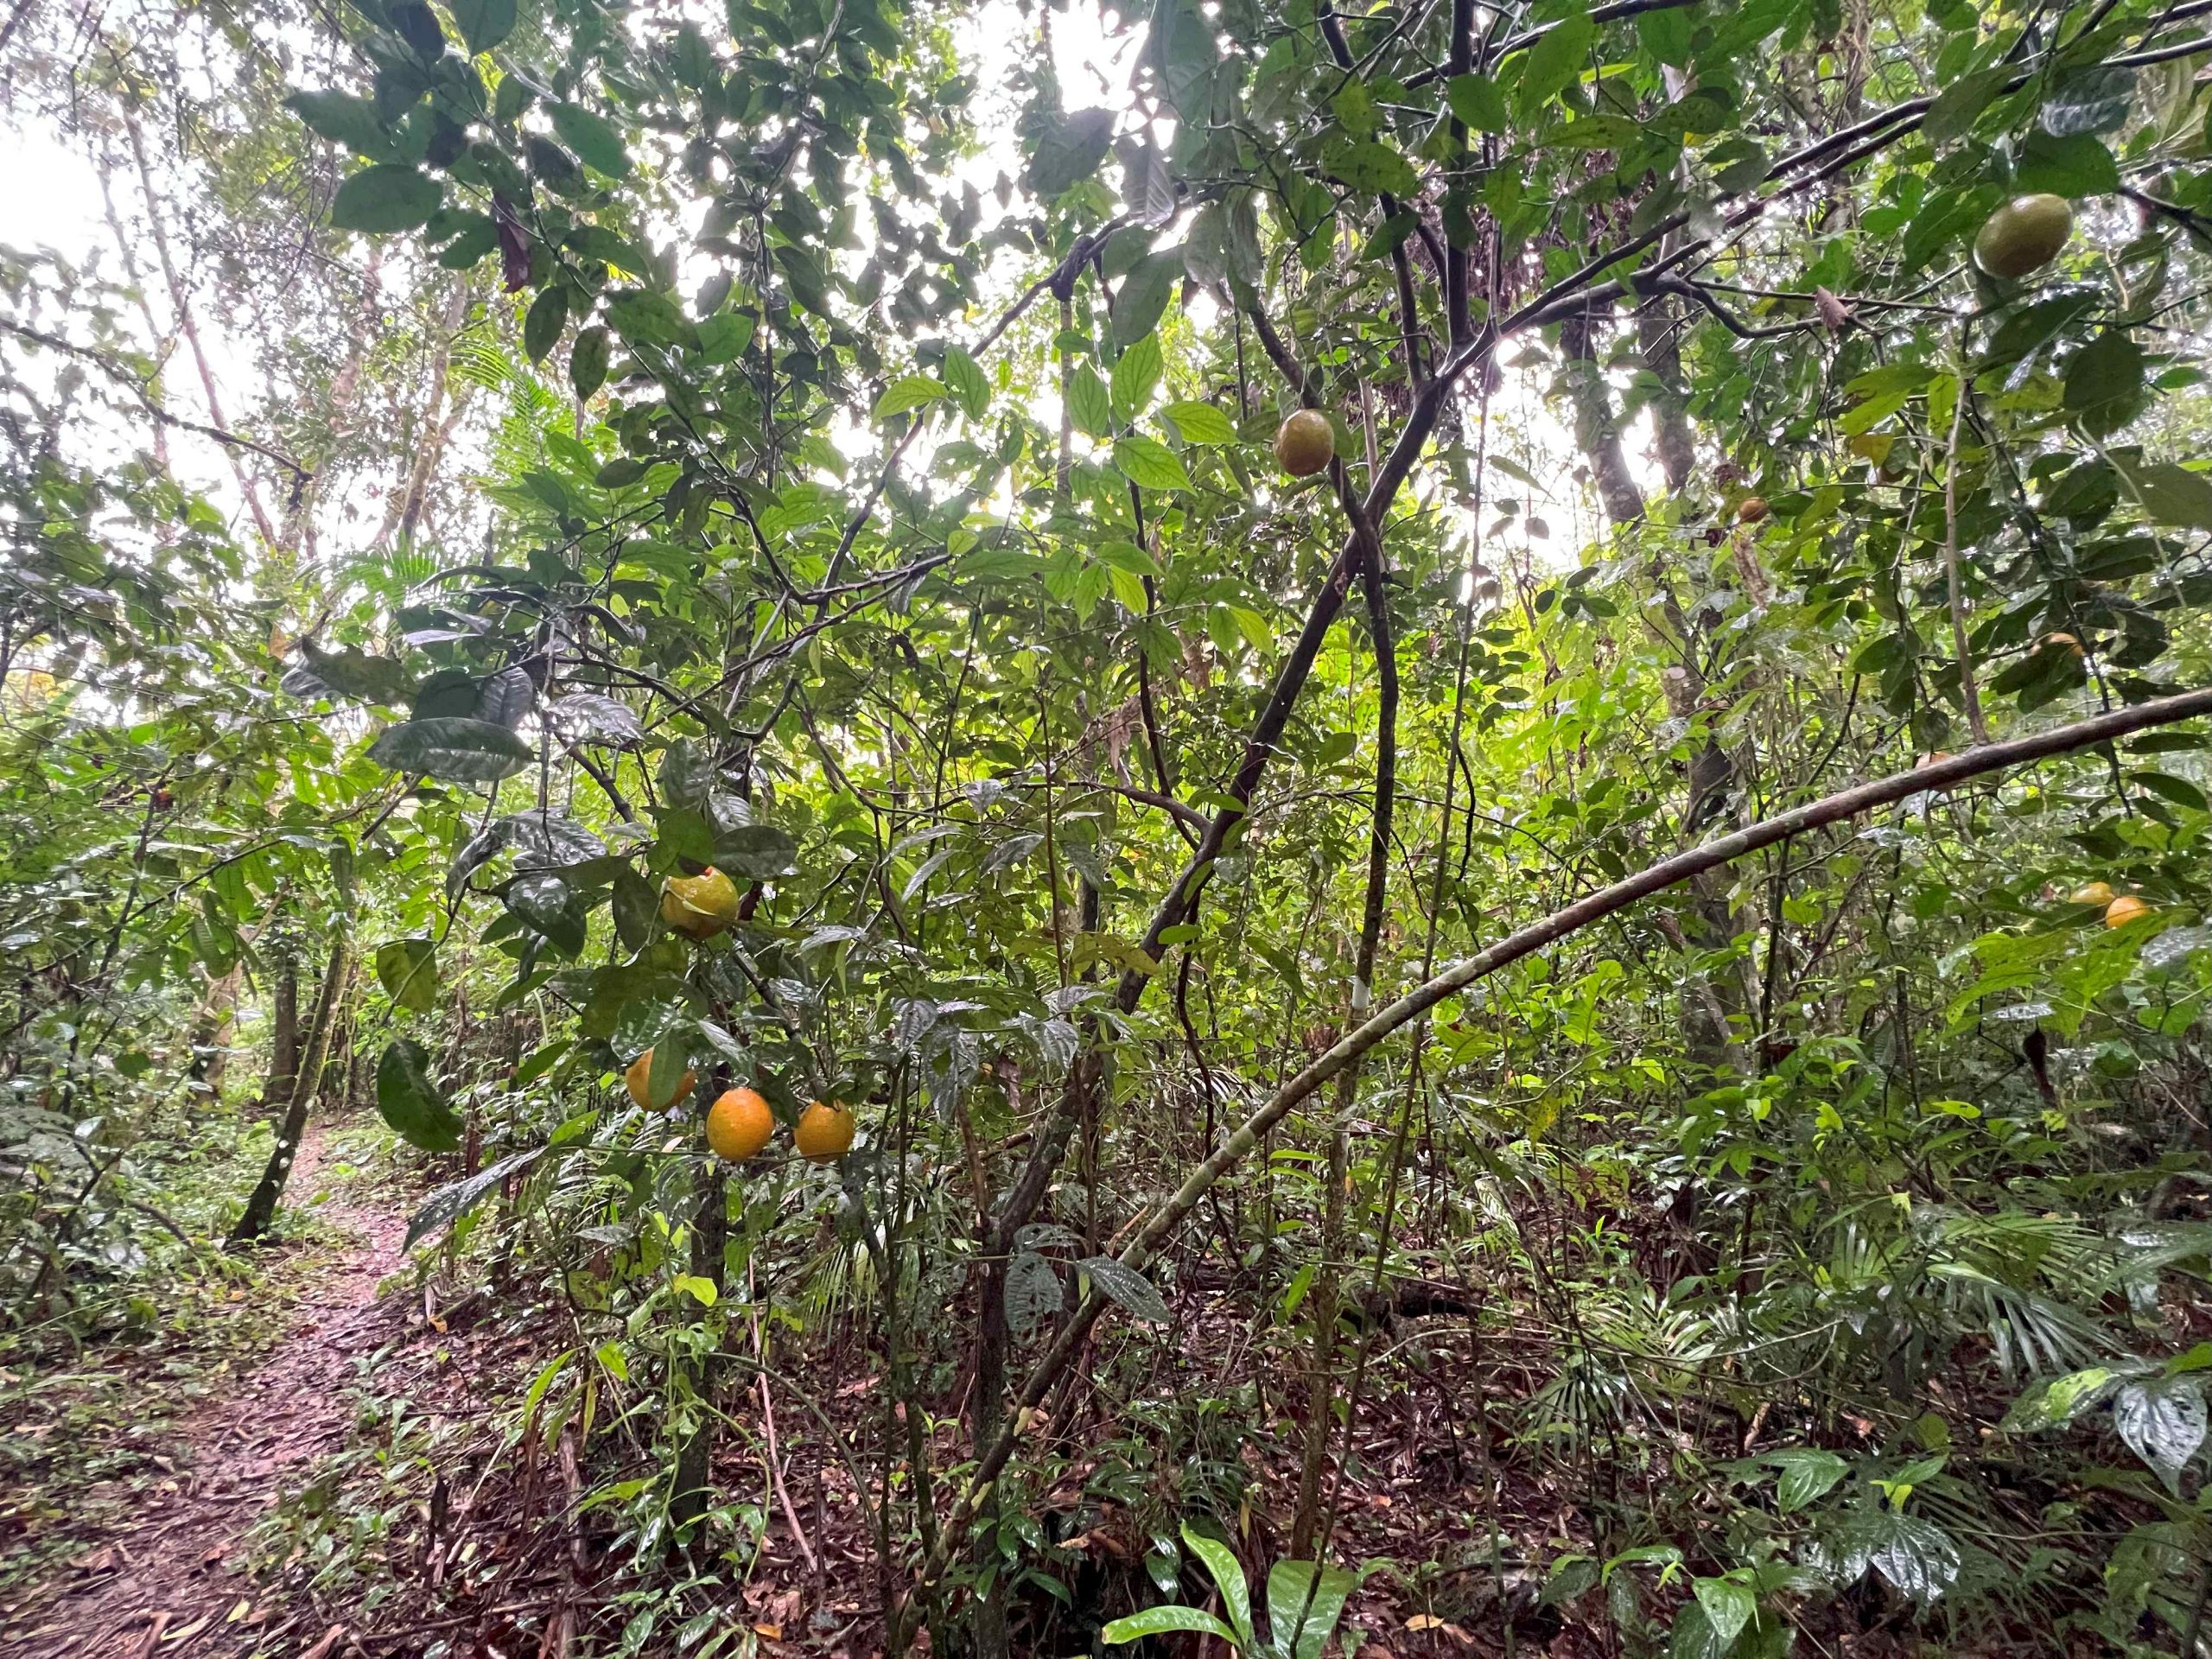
(2023, 235)
(1306, 443)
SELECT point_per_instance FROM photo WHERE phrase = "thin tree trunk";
(182, 305)
(1708, 1000)
(694, 1483)
(285, 1037)
(260, 1208)
(404, 512)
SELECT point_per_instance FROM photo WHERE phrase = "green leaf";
(541, 329)
(2163, 1420)
(1666, 35)
(1149, 464)
(1070, 152)
(758, 852)
(595, 139)
(407, 971)
(380, 200)
(964, 376)
(453, 1201)
(343, 119)
(483, 24)
(1134, 376)
(2170, 494)
(1160, 1621)
(699, 1289)
(724, 336)
(1477, 101)
(2076, 164)
(907, 392)
(456, 750)
(587, 362)
(1142, 298)
(2104, 383)
(1201, 424)
(350, 673)
(1228, 1574)
(411, 1102)
(1089, 406)
(1728, 1605)
(1555, 63)
(1304, 1603)
(1807, 1474)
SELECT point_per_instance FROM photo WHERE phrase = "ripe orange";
(2123, 910)
(701, 905)
(640, 1073)
(2092, 893)
(825, 1132)
(1306, 443)
(739, 1124)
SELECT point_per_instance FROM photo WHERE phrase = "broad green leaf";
(1134, 376)
(1728, 1605)
(411, 1102)
(384, 198)
(1162, 1621)
(1477, 101)
(1149, 464)
(1228, 1574)
(1304, 1603)
(964, 377)
(451, 1202)
(1201, 424)
(1554, 64)
(908, 392)
(344, 119)
(457, 751)
(2104, 382)
(407, 971)
(1088, 405)
(1070, 151)
(2163, 1420)
(483, 24)
(595, 139)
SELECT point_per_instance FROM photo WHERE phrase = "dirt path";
(170, 1583)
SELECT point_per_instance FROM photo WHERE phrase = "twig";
(1968, 692)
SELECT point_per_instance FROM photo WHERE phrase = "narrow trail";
(172, 1583)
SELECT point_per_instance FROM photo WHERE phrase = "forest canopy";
(1241, 827)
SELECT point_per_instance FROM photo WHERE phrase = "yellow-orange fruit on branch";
(2023, 235)
(1306, 443)
(2092, 893)
(1750, 509)
(2123, 910)
(740, 1124)
(701, 905)
(825, 1132)
(640, 1073)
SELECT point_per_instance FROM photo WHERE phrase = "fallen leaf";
(186, 1632)
(772, 1632)
(1424, 1621)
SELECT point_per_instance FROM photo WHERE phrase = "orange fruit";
(640, 1073)
(2092, 893)
(825, 1132)
(1306, 443)
(740, 1124)
(1750, 509)
(701, 905)
(2123, 910)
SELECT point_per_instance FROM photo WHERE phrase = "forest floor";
(157, 1561)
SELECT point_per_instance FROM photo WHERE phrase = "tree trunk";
(285, 1037)
(694, 1483)
(211, 1031)
(1708, 1002)
(260, 1208)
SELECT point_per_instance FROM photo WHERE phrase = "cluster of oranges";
(740, 1124)
(2121, 908)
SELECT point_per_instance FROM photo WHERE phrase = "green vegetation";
(1434, 796)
